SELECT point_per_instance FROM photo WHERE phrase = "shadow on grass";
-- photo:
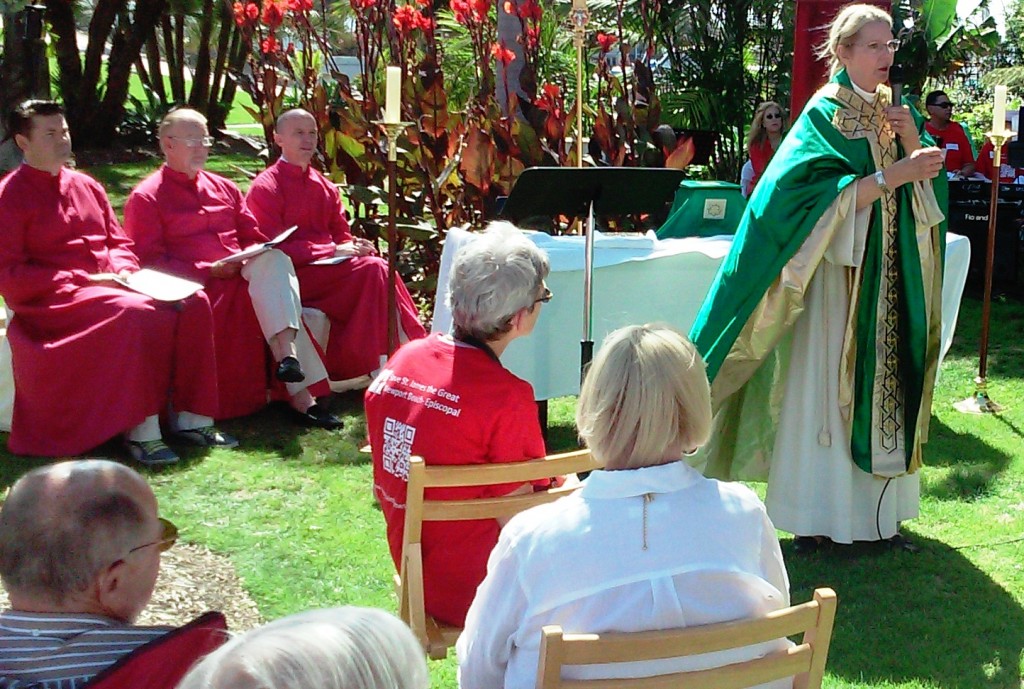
(973, 463)
(272, 431)
(930, 617)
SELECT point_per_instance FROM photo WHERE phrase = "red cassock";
(353, 294)
(183, 226)
(90, 361)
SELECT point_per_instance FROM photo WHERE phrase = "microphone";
(896, 80)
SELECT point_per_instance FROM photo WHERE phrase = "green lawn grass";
(293, 510)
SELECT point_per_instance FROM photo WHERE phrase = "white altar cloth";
(637, 279)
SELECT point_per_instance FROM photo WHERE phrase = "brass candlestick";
(392, 130)
(979, 402)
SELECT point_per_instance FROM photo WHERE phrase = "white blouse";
(712, 556)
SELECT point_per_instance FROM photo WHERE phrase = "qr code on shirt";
(398, 438)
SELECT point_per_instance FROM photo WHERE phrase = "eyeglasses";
(545, 298)
(875, 47)
(167, 539)
(205, 142)
(947, 104)
(773, 116)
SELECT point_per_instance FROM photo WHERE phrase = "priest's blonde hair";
(646, 395)
(845, 27)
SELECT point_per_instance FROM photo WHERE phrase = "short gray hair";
(335, 648)
(62, 524)
(847, 24)
(495, 275)
(646, 393)
(177, 115)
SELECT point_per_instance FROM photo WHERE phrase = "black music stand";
(595, 191)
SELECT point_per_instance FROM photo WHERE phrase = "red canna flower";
(239, 11)
(300, 5)
(273, 13)
(252, 11)
(269, 45)
(407, 19)
(606, 41)
(362, 5)
(480, 9)
(460, 8)
(502, 54)
(531, 10)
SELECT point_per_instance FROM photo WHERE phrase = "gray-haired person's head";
(334, 648)
(62, 524)
(645, 400)
(493, 277)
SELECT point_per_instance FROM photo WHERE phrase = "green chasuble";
(891, 342)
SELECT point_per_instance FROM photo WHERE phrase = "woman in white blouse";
(647, 543)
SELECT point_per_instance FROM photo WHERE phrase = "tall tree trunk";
(175, 73)
(124, 51)
(60, 16)
(156, 73)
(216, 112)
(200, 96)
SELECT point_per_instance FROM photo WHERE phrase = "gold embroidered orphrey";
(858, 119)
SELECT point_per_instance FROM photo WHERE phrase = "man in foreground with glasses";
(80, 546)
(187, 221)
(449, 400)
(949, 135)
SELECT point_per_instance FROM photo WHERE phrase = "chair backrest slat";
(805, 661)
(620, 648)
(435, 638)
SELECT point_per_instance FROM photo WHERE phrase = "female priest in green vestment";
(821, 330)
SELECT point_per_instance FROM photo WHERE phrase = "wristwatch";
(880, 181)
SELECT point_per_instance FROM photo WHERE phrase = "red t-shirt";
(954, 140)
(760, 155)
(449, 403)
(986, 160)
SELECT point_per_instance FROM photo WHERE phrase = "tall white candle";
(393, 103)
(999, 110)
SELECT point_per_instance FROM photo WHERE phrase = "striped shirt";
(63, 650)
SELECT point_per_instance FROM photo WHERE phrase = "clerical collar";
(866, 95)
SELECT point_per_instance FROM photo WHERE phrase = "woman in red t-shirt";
(766, 132)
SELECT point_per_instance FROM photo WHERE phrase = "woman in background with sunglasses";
(949, 135)
(766, 132)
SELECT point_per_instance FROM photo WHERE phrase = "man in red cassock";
(91, 359)
(339, 275)
(186, 221)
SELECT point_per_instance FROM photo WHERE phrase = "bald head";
(296, 135)
(62, 524)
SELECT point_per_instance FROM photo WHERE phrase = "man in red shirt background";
(450, 401)
(338, 274)
(949, 135)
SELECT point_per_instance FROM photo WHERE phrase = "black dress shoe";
(318, 417)
(289, 370)
(805, 545)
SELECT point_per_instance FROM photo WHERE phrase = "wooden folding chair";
(435, 637)
(805, 661)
